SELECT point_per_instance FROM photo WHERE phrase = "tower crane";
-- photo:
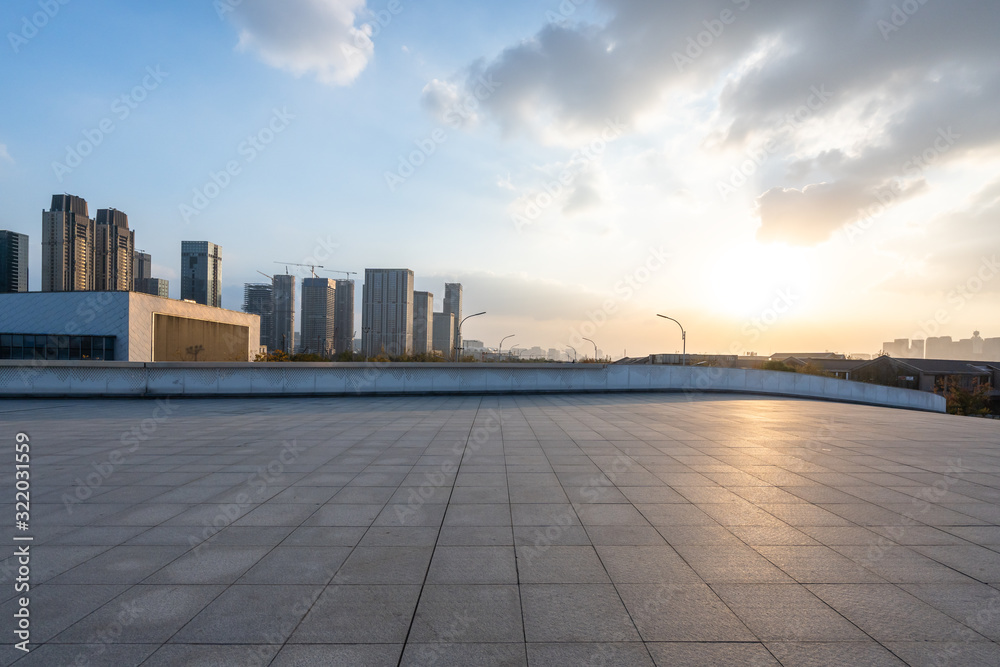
(347, 273)
(311, 267)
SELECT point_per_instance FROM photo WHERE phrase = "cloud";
(954, 248)
(444, 101)
(317, 37)
(811, 215)
(850, 104)
(4, 155)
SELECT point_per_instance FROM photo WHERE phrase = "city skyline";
(735, 161)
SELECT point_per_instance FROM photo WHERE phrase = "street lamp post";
(459, 338)
(595, 347)
(683, 338)
(574, 352)
(500, 351)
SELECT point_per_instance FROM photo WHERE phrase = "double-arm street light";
(683, 337)
(595, 347)
(500, 351)
(458, 339)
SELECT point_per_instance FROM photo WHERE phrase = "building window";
(57, 348)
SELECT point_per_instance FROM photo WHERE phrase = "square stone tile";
(452, 654)
(170, 655)
(734, 565)
(681, 612)
(359, 655)
(385, 565)
(209, 565)
(468, 614)
(612, 654)
(296, 565)
(560, 565)
(478, 515)
(668, 654)
(359, 615)
(646, 565)
(473, 565)
(834, 654)
(470, 536)
(250, 614)
(778, 612)
(888, 613)
(575, 613)
(818, 565)
(144, 614)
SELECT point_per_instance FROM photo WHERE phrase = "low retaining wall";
(30, 379)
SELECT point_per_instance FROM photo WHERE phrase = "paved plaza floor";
(544, 530)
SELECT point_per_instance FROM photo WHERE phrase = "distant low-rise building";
(121, 326)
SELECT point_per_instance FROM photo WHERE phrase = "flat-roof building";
(122, 326)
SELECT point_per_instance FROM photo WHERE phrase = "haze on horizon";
(779, 176)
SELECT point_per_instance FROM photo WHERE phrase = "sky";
(779, 176)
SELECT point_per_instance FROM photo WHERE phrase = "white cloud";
(317, 37)
(4, 155)
(849, 109)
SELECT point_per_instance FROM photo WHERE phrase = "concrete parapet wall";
(124, 379)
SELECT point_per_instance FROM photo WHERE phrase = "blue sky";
(652, 217)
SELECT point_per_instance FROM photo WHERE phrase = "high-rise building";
(319, 304)
(387, 312)
(114, 250)
(423, 323)
(201, 272)
(67, 246)
(13, 262)
(142, 269)
(453, 305)
(156, 287)
(258, 299)
(283, 337)
(343, 318)
(444, 334)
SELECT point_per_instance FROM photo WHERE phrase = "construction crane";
(311, 267)
(271, 278)
(347, 273)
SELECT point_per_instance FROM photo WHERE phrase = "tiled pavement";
(543, 530)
